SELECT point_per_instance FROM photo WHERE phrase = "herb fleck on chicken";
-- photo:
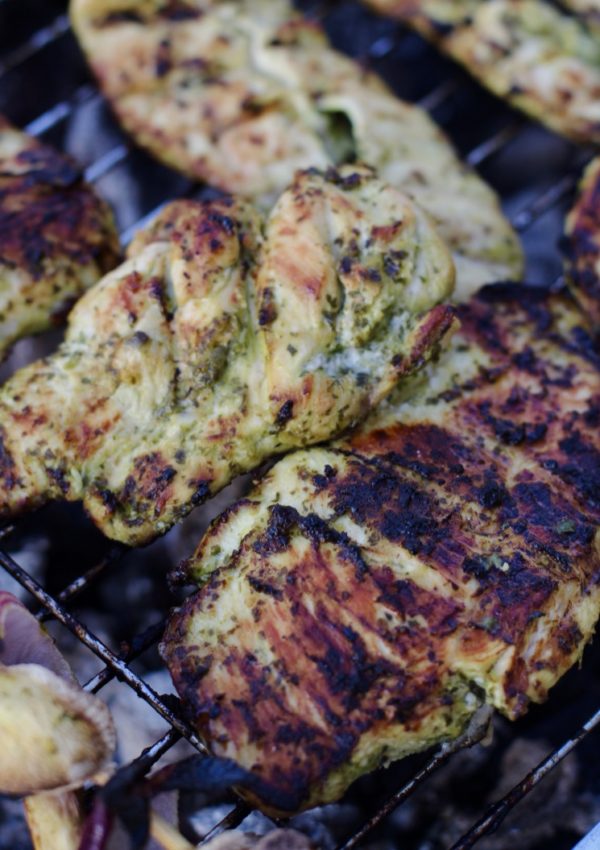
(224, 339)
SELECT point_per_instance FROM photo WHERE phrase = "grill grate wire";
(118, 665)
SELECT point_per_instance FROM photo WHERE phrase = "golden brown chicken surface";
(57, 237)
(526, 51)
(582, 243)
(224, 339)
(242, 93)
(368, 596)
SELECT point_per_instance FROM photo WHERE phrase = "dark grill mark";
(7, 465)
(268, 311)
(285, 413)
(264, 587)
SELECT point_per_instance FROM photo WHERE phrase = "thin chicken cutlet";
(588, 11)
(368, 596)
(57, 237)
(242, 93)
(224, 339)
(529, 52)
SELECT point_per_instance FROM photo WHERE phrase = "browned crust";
(582, 243)
(430, 334)
(47, 213)
(223, 340)
(494, 504)
(56, 235)
(322, 660)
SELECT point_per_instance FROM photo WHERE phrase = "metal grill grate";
(408, 64)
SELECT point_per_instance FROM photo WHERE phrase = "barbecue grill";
(46, 88)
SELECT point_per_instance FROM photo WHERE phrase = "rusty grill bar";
(117, 666)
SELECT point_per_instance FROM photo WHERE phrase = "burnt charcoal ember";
(555, 812)
(327, 826)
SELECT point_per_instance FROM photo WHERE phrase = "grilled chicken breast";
(57, 237)
(242, 93)
(588, 10)
(581, 244)
(367, 597)
(526, 51)
(224, 339)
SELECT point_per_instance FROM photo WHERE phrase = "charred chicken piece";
(582, 243)
(539, 59)
(367, 597)
(225, 339)
(57, 237)
(243, 93)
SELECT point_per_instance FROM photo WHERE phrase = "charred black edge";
(174, 11)
(284, 518)
(582, 342)
(275, 536)
(580, 243)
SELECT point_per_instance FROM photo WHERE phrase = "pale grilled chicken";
(224, 339)
(581, 244)
(57, 237)
(588, 10)
(368, 596)
(242, 93)
(527, 51)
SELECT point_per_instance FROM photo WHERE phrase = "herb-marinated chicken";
(588, 10)
(582, 243)
(57, 238)
(367, 597)
(542, 61)
(243, 93)
(224, 339)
